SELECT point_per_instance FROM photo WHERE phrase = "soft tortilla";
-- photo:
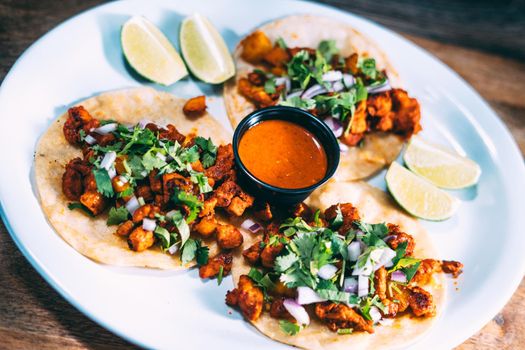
(379, 150)
(91, 236)
(375, 206)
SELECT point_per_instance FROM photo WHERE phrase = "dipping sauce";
(283, 154)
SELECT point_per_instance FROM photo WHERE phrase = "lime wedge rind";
(418, 196)
(441, 166)
(149, 52)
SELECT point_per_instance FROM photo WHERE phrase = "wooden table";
(484, 43)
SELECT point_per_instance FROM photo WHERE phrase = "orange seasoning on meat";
(283, 154)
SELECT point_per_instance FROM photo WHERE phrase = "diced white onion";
(386, 258)
(337, 86)
(349, 80)
(173, 249)
(90, 140)
(343, 148)
(170, 214)
(108, 160)
(297, 311)
(144, 122)
(354, 250)
(314, 91)
(132, 205)
(375, 314)
(148, 224)
(251, 226)
(327, 271)
(161, 156)
(123, 179)
(362, 286)
(306, 295)
(334, 125)
(106, 129)
(144, 173)
(284, 80)
(295, 94)
(141, 201)
(365, 270)
(332, 75)
(112, 172)
(398, 276)
(350, 285)
(380, 88)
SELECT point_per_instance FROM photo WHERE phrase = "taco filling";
(349, 93)
(156, 185)
(338, 270)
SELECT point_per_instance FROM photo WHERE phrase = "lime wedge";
(442, 167)
(418, 196)
(150, 53)
(205, 51)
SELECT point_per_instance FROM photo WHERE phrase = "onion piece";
(348, 80)
(333, 75)
(284, 80)
(297, 311)
(362, 286)
(343, 148)
(112, 172)
(334, 125)
(173, 249)
(106, 129)
(375, 314)
(386, 258)
(380, 88)
(350, 285)
(144, 122)
(354, 250)
(306, 295)
(123, 179)
(108, 160)
(398, 276)
(295, 94)
(161, 156)
(90, 140)
(170, 214)
(314, 91)
(132, 205)
(337, 86)
(251, 226)
(365, 270)
(148, 224)
(327, 271)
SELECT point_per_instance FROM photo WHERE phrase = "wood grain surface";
(482, 41)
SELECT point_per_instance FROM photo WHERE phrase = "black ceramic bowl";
(277, 195)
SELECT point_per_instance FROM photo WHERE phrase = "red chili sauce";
(283, 154)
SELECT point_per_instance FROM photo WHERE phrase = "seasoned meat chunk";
(172, 182)
(256, 94)
(94, 201)
(425, 271)
(72, 180)
(277, 56)
(255, 46)
(206, 226)
(253, 254)
(223, 164)
(407, 113)
(225, 193)
(228, 236)
(140, 239)
(337, 316)
(380, 286)
(399, 294)
(421, 302)
(125, 228)
(145, 211)
(453, 267)
(349, 213)
(302, 210)
(77, 118)
(270, 252)
(398, 237)
(171, 133)
(240, 203)
(277, 310)
(213, 267)
(195, 106)
(257, 78)
(262, 211)
(359, 120)
(248, 297)
(154, 181)
(145, 192)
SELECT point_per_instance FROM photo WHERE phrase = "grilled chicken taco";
(345, 278)
(133, 178)
(336, 73)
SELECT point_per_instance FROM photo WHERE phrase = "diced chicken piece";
(248, 297)
(125, 228)
(337, 316)
(206, 226)
(140, 239)
(213, 267)
(255, 46)
(145, 211)
(349, 213)
(253, 254)
(421, 302)
(94, 201)
(228, 236)
(398, 237)
(195, 106)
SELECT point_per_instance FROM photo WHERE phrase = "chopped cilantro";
(328, 49)
(209, 151)
(189, 251)
(343, 331)
(150, 161)
(289, 328)
(164, 236)
(281, 43)
(269, 86)
(78, 205)
(103, 181)
(201, 255)
(117, 215)
(298, 102)
(368, 68)
(220, 275)
(338, 220)
(202, 181)
(263, 281)
(190, 200)
(182, 226)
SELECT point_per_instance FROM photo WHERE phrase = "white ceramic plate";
(159, 309)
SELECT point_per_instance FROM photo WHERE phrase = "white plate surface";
(159, 309)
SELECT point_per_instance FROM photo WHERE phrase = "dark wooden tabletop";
(483, 41)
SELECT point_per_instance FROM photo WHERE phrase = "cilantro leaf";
(182, 226)
(202, 254)
(209, 151)
(338, 220)
(281, 43)
(117, 215)
(334, 295)
(164, 236)
(298, 69)
(343, 331)
(289, 328)
(263, 281)
(103, 181)
(368, 68)
(328, 49)
(298, 102)
(78, 205)
(404, 262)
(190, 200)
(284, 262)
(202, 181)
(138, 171)
(150, 161)
(189, 251)
(411, 271)
(269, 86)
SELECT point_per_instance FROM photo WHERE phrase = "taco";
(127, 178)
(345, 278)
(335, 72)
